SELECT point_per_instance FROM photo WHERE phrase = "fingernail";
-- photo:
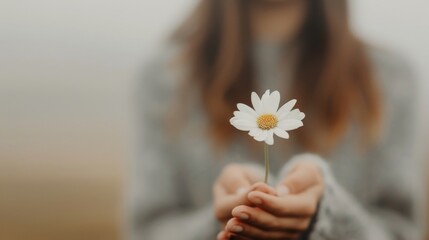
(240, 191)
(236, 228)
(243, 216)
(256, 200)
(282, 190)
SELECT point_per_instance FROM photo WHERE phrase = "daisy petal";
(240, 119)
(261, 136)
(301, 116)
(270, 137)
(255, 131)
(245, 122)
(290, 124)
(242, 127)
(281, 133)
(244, 108)
(266, 94)
(244, 115)
(294, 114)
(286, 108)
(233, 119)
(266, 102)
(275, 101)
(256, 102)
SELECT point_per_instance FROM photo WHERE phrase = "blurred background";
(67, 73)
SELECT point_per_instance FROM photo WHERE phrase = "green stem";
(267, 162)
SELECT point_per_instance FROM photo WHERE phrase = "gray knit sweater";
(369, 195)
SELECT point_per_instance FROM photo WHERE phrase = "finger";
(299, 179)
(237, 237)
(263, 187)
(241, 229)
(224, 205)
(266, 221)
(236, 179)
(287, 206)
(253, 174)
(223, 235)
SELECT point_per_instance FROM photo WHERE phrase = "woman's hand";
(231, 189)
(282, 214)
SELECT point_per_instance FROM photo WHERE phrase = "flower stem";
(267, 162)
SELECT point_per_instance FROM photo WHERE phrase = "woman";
(363, 183)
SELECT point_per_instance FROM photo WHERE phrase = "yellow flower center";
(267, 121)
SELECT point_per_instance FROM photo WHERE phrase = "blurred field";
(60, 183)
(63, 145)
(67, 69)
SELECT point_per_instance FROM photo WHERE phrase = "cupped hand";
(284, 213)
(231, 189)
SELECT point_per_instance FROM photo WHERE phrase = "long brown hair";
(332, 77)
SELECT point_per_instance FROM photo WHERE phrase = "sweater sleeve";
(392, 214)
(394, 208)
(157, 205)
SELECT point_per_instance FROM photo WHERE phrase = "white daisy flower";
(266, 118)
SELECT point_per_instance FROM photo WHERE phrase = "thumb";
(237, 184)
(298, 180)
